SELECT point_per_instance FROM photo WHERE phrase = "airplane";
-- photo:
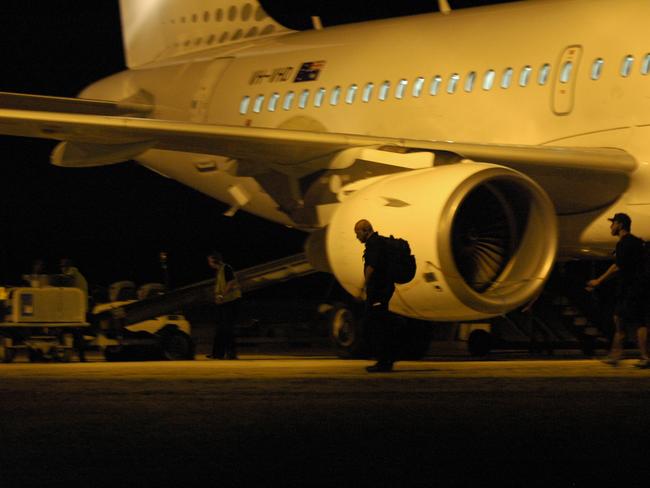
(496, 140)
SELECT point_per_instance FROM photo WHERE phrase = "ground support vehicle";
(41, 321)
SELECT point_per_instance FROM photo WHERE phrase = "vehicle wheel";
(62, 354)
(347, 333)
(35, 355)
(479, 343)
(7, 354)
(176, 346)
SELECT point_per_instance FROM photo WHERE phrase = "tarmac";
(291, 417)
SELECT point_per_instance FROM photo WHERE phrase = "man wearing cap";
(630, 306)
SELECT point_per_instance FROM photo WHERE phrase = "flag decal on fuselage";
(309, 71)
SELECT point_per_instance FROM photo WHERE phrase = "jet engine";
(484, 238)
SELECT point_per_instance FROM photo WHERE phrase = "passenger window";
(304, 98)
(288, 100)
(336, 94)
(259, 102)
(469, 81)
(319, 97)
(352, 93)
(453, 83)
(273, 102)
(544, 73)
(524, 76)
(488, 79)
(597, 68)
(383, 90)
(435, 85)
(401, 88)
(645, 67)
(506, 79)
(626, 67)
(417, 86)
(565, 74)
(367, 92)
(243, 106)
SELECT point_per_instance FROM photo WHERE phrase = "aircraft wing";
(576, 178)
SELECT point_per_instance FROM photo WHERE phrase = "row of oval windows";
(435, 85)
(232, 15)
(238, 34)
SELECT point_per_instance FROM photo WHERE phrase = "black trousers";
(381, 330)
(225, 319)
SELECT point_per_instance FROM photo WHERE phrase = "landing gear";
(347, 332)
(351, 337)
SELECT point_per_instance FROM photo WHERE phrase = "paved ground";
(289, 420)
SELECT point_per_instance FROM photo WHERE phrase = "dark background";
(114, 220)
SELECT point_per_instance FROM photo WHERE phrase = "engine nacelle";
(484, 237)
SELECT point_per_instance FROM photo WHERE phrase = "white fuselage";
(570, 73)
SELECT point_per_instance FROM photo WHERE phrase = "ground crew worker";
(226, 308)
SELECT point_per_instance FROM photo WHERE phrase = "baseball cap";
(621, 218)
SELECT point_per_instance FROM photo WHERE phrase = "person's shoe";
(380, 368)
(211, 356)
(643, 364)
(610, 361)
(231, 357)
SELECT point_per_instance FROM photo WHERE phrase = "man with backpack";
(379, 289)
(631, 294)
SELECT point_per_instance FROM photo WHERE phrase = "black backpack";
(646, 261)
(400, 263)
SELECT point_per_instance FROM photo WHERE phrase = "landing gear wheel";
(347, 333)
(479, 343)
(177, 346)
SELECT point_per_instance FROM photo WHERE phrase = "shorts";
(632, 307)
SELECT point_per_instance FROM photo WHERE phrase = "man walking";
(630, 292)
(379, 289)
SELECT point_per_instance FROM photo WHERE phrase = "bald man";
(379, 289)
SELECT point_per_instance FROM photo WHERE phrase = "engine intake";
(484, 237)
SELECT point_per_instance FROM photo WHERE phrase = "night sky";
(114, 220)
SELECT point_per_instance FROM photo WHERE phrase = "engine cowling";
(484, 237)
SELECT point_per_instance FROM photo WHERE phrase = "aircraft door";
(205, 87)
(565, 80)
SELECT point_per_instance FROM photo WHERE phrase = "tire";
(347, 333)
(176, 346)
(7, 354)
(62, 354)
(479, 343)
(35, 355)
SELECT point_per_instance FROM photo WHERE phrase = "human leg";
(378, 320)
(217, 342)
(616, 350)
(229, 322)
